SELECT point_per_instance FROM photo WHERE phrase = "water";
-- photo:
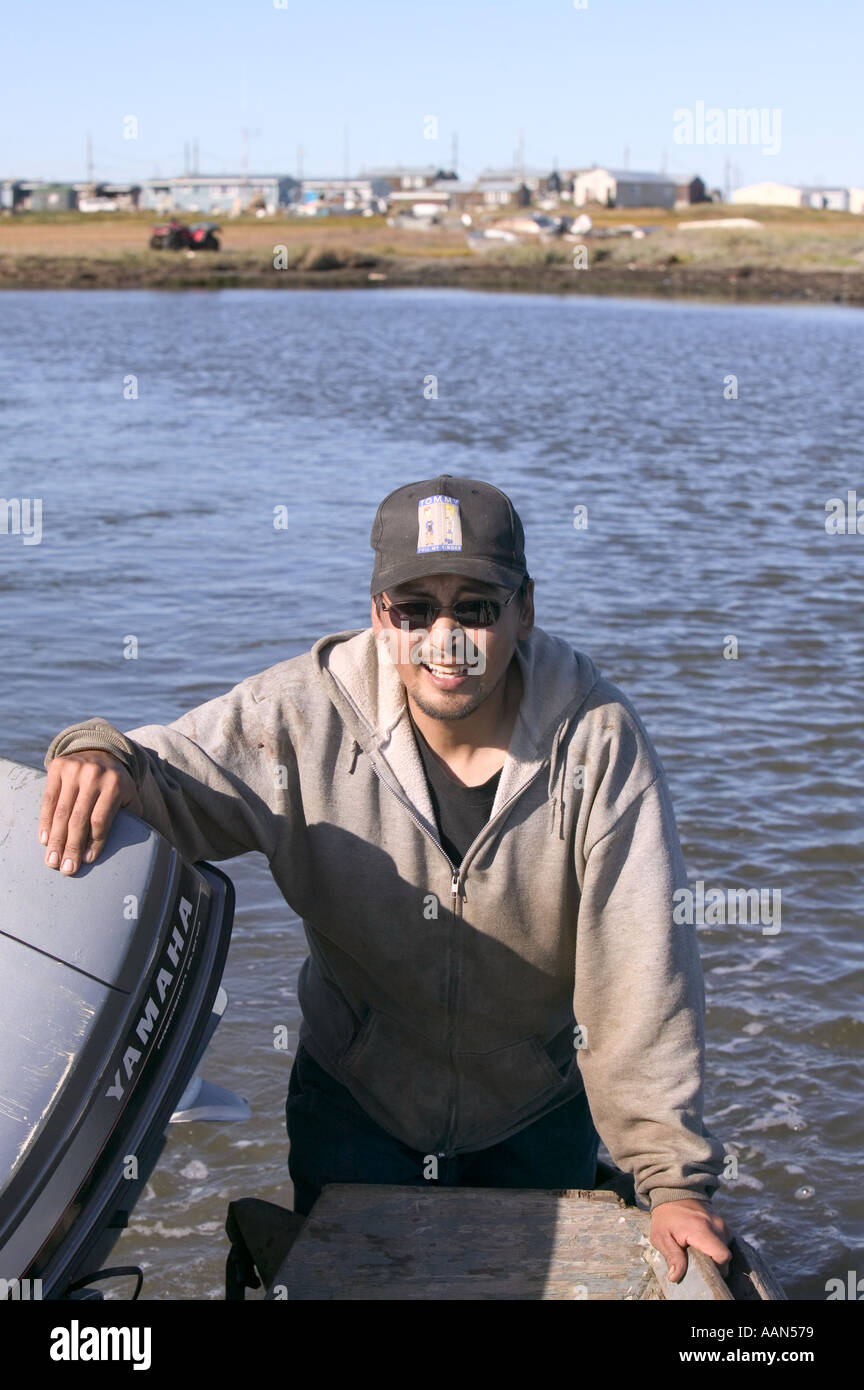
(706, 521)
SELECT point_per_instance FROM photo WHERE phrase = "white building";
(624, 188)
(831, 196)
(833, 199)
(778, 195)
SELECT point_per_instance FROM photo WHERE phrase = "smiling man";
(477, 832)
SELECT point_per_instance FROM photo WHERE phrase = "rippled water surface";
(706, 523)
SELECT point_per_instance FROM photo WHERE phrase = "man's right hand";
(83, 794)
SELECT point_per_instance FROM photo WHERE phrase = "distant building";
(624, 188)
(555, 188)
(502, 193)
(316, 196)
(781, 195)
(832, 199)
(34, 195)
(568, 179)
(407, 178)
(224, 193)
(429, 198)
(535, 180)
(856, 200)
(461, 194)
(107, 197)
(689, 191)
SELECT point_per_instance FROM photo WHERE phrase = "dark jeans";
(332, 1139)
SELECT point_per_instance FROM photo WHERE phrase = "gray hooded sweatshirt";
(459, 1004)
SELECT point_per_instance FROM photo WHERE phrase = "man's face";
(438, 665)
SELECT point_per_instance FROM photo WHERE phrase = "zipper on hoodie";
(456, 884)
(454, 872)
(452, 1000)
(453, 983)
(452, 978)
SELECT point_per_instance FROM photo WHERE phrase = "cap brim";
(446, 562)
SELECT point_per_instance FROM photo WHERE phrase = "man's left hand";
(675, 1225)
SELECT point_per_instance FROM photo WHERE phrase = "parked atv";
(178, 236)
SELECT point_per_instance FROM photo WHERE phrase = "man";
(477, 832)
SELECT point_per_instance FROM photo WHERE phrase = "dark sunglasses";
(418, 613)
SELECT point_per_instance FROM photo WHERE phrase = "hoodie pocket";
(406, 1083)
(358, 1042)
(405, 1080)
(498, 1088)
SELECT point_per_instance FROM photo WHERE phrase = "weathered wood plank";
(363, 1241)
(370, 1242)
(702, 1282)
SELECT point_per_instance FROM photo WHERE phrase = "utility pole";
(300, 153)
(625, 157)
(520, 156)
(454, 153)
(195, 169)
(346, 153)
(89, 158)
(186, 158)
(245, 157)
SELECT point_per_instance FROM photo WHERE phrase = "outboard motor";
(109, 994)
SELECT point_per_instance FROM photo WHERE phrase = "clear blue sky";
(580, 84)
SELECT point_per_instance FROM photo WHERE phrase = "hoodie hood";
(367, 690)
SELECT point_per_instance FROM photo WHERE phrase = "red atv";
(177, 236)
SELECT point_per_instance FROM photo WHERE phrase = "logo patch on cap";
(440, 524)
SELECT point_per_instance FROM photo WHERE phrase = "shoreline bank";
(173, 271)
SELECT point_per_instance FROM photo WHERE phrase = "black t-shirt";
(461, 812)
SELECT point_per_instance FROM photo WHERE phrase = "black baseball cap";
(447, 525)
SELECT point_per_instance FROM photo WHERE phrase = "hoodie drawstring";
(557, 770)
(355, 751)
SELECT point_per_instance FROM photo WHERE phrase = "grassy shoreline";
(794, 256)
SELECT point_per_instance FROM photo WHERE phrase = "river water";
(160, 431)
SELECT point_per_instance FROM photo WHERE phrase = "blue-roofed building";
(219, 193)
(624, 188)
